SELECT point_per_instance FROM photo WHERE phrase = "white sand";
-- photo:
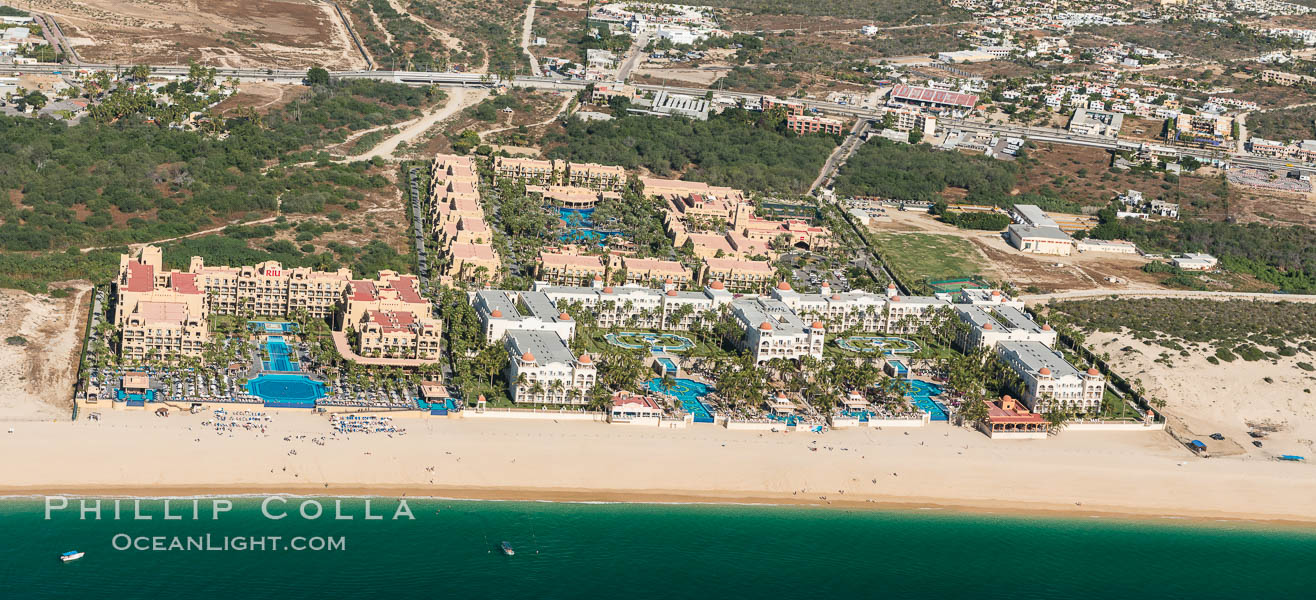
(1224, 398)
(1140, 473)
(36, 379)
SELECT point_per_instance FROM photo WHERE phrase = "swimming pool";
(669, 367)
(273, 326)
(580, 226)
(689, 392)
(136, 399)
(286, 391)
(655, 342)
(869, 344)
(279, 355)
(921, 396)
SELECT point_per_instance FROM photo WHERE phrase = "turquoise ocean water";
(649, 551)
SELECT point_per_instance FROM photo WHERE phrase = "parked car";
(1217, 436)
(1256, 443)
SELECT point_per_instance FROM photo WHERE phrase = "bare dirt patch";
(37, 375)
(232, 33)
(261, 97)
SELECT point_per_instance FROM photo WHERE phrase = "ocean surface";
(565, 550)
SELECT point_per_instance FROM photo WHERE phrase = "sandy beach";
(1076, 473)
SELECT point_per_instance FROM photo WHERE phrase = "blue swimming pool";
(580, 226)
(690, 393)
(921, 396)
(139, 399)
(286, 391)
(669, 367)
(280, 355)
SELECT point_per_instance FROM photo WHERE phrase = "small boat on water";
(507, 549)
(71, 555)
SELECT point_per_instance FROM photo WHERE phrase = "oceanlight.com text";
(227, 543)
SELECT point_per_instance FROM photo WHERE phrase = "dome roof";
(987, 326)
(996, 292)
(564, 317)
(585, 359)
(496, 314)
(1046, 328)
(717, 285)
(598, 278)
(1044, 371)
(669, 281)
(481, 398)
(895, 298)
(671, 292)
(528, 357)
(1093, 371)
(891, 286)
(836, 296)
(765, 326)
(784, 286)
(607, 290)
(817, 324)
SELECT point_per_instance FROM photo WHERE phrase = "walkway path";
(561, 109)
(525, 39)
(458, 99)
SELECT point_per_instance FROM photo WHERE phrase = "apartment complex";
(1204, 124)
(806, 124)
(652, 271)
(739, 275)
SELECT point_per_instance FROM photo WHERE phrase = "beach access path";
(1137, 473)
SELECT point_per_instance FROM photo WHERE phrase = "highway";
(1038, 134)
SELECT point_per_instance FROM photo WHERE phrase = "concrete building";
(990, 325)
(667, 104)
(1204, 125)
(528, 170)
(1037, 233)
(163, 330)
(634, 409)
(543, 370)
(803, 125)
(390, 319)
(501, 311)
(840, 311)
(773, 330)
(1088, 121)
(1111, 246)
(1194, 261)
(1050, 381)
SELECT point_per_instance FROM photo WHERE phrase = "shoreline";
(1019, 510)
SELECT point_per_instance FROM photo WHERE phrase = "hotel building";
(739, 275)
(1049, 380)
(568, 269)
(652, 271)
(390, 318)
(552, 373)
(990, 325)
(501, 311)
(773, 330)
(457, 217)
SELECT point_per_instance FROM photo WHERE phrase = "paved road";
(633, 56)
(1081, 294)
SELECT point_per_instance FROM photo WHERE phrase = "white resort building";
(552, 373)
(1050, 380)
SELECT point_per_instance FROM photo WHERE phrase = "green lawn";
(918, 257)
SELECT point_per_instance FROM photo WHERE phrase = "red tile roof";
(140, 277)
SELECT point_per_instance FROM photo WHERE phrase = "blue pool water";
(286, 391)
(136, 399)
(921, 396)
(789, 420)
(668, 365)
(869, 344)
(273, 326)
(655, 342)
(279, 355)
(580, 226)
(689, 392)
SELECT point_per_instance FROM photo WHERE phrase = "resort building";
(652, 271)
(773, 330)
(472, 262)
(543, 370)
(501, 311)
(163, 330)
(570, 196)
(910, 120)
(1049, 380)
(634, 306)
(265, 289)
(906, 314)
(990, 325)
(841, 311)
(457, 215)
(986, 297)
(1009, 420)
(389, 318)
(739, 275)
(528, 170)
(596, 176)
(568, 269)
(634, 409)
(797, 232)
